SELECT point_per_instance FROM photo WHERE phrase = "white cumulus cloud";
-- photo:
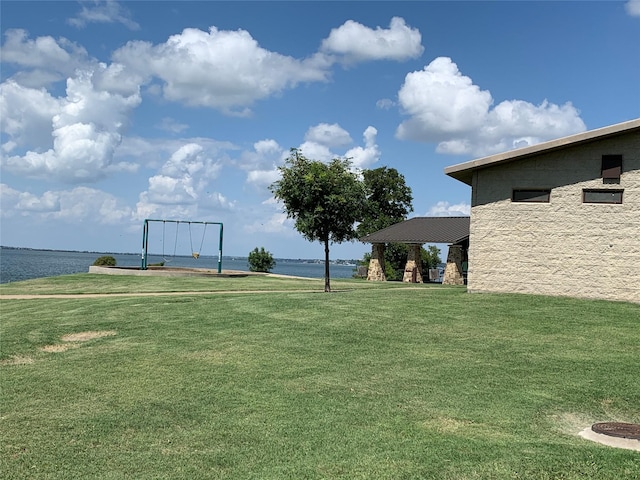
(322, 143)
(263, 178)
(445, 209)
(183, 185)
(439, 99)
(355, 42)
(86, 128)
(216, 201)
(152, 151)
(48, 202)
(633, 8)
(446, 107)
(108, 11)
(329, 135)
(322, 140)
(266, 153)
(146, 208)
(261, 163)
(83, 203)
(27, 115)
(117, 78)
(167, 190)
(10, 198)
(45, 59)
(364, 157)
(226, 70)
(316, 151)
(79, 205)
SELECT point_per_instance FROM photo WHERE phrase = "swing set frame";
(145, 238)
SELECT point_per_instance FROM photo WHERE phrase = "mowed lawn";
(373, 381)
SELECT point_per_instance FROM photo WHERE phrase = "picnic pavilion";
(415, 232)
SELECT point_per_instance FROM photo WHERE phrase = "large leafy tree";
(324, 199)
(388, 199)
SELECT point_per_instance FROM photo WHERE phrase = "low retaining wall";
(167, 272)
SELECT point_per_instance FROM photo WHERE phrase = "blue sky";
(113, 112)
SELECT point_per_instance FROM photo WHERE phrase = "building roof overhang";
(420, 230)
(464, 171)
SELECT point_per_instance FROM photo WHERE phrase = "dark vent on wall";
(611, 168)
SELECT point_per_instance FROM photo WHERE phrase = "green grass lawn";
(374, 381)
(83, 283)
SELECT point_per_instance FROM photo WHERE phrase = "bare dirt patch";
(17, 360)
(73, 340)
(448, 425)
(86, 336)
(60, 347)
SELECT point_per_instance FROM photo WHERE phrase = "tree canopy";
(388, 200)
(324, 199)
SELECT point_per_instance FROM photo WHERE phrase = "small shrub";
(105, 261)
(261, 260)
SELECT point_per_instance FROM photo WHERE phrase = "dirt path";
(171, 294)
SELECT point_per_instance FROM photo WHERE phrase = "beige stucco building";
(558, 218)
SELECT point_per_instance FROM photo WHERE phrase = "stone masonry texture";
(413, 267)
(376, 264)
(453, 269)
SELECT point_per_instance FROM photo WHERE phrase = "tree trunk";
(327, 283)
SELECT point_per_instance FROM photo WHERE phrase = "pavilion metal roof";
(422, 230)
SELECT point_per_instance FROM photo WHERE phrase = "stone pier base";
(453, 270)
(376, 264)
(413, 268)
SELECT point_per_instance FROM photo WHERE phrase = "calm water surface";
(18, 264)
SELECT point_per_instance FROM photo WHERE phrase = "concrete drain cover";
(618, 429)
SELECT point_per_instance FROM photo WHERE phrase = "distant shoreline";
(4, 247)
(340, 261)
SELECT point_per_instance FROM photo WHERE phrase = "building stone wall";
(564, 247)
(453, 269)
(376, 264)
(413, 267)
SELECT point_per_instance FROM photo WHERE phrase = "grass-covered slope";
(369, 382)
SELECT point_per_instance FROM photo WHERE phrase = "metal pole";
(220, 250)
(143, 265)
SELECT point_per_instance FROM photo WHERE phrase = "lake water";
(23, 264)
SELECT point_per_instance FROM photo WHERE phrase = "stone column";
(376, 264)
(413, 268)
(453, 270)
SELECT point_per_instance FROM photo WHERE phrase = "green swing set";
(194, 253)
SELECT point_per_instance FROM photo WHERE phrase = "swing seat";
(195, 255)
